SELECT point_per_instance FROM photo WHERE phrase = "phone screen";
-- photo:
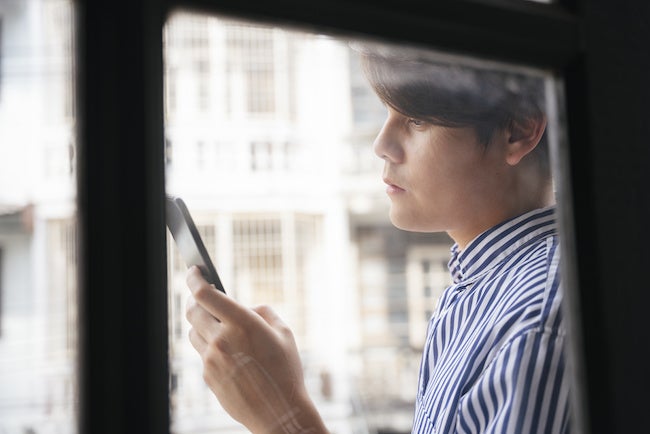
(189, 242)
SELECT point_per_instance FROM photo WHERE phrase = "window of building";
(258, 258)
(252, 69)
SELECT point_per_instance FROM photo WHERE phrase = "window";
(427, 276)
(251, 69)
(258, 258)
(575, 44)
(276, 231)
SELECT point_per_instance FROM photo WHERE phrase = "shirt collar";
(500, 241)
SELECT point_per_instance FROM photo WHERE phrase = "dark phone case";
(189, 243)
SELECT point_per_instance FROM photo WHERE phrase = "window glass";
(38, 286)
(269, 138)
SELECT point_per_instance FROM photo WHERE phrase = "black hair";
(456, 95)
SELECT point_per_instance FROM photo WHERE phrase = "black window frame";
(597, 48)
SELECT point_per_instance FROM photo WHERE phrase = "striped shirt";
(494, 355)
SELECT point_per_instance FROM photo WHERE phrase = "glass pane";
(269, 140)
(38, 290)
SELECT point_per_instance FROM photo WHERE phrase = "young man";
(465, 153)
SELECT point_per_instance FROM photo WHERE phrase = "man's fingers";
(269, 315)
(197, 341)
(214, 301)
(206, 330)
(202, 321)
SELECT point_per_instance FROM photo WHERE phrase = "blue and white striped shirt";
(494, 359)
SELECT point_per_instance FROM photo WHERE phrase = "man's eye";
(416, 122)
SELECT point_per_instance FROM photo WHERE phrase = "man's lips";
(392, 188)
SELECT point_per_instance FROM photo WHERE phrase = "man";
(465, 153)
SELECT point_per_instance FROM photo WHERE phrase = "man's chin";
(403, 222)
(410, 223)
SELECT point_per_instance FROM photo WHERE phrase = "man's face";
(440, 178)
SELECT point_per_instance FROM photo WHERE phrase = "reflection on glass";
(38, 291)
(269, 136)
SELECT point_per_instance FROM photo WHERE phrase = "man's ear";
(523, 137)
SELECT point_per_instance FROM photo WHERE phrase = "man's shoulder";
(527, 286)
(529, 263)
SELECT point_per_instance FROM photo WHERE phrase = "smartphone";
(189, 242)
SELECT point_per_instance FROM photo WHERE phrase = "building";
(37, 231)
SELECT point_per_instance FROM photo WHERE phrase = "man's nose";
(387, 144)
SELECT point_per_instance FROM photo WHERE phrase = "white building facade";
(37, 239)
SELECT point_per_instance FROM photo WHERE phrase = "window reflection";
(270, 144)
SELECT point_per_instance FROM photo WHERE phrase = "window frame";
(123, 364)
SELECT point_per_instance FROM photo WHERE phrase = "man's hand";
(250, 362)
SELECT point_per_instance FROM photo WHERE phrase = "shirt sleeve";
(525, 389)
